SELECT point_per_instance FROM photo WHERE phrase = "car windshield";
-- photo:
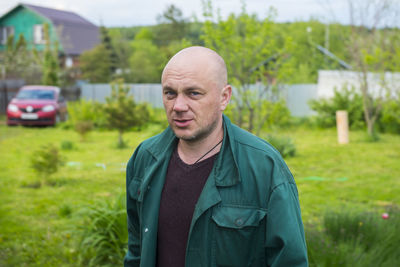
(36, 94)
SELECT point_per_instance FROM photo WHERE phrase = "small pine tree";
(121, 110)
(46, 160)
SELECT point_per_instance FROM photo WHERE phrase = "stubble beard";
(200, 134)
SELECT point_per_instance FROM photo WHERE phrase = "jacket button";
(146, 230)
(239, 222)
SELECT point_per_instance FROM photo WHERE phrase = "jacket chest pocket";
(238, 236)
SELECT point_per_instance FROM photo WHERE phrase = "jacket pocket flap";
(237, 217)
(134, 188)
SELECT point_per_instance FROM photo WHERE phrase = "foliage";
(306, 57)
(270, 115)
(255, 54)
(146, 61)
(84, 115)
(355, 239)
(96, 64)
(345, 99)
(122, 112)
(86, 110)
(50, 65)
(107, 43)
(373, 49)
(390, 120)
(18, 61)
(172, 26)
(46, 160)
(283, 144)
(104, 236)
(83, 128)
(67, 145)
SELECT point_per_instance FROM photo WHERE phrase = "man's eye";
(194, 93)
(169, 93)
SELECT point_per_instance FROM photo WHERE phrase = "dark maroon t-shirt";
(182, 188)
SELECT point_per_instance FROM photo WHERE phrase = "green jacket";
(248, 213)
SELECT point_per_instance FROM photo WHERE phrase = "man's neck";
(191, 152)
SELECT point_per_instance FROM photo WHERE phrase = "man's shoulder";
(253, 143)
(157, 143)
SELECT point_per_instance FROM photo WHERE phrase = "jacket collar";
(226, 171)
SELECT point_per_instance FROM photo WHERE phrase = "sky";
(126, 13)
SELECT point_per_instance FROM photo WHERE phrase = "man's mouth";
(182, 122)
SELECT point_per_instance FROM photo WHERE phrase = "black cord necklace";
(208, 151)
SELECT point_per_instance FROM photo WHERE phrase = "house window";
(38, 34)
(5, 32)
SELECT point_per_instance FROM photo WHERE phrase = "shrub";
(345, 99)
(271, 114)
(390, 119)
(122, 112)
(83, 128)
(67, 145)
(85, 115)
(46, 160)
(103, 234)
(284, 145)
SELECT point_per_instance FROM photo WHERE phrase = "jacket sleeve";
(285, 241)
(132, 257)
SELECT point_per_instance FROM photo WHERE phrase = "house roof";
(75, 33)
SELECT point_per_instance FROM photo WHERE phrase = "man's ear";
(226, 94)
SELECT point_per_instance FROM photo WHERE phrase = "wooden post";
(342, 125)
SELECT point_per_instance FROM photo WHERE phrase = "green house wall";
(23, 20)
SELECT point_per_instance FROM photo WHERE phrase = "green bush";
(67, 145)
(103, 234)
(87, 110)
(345, 99)
(390, 119)
(271, 114)
(122, 112)
(85, 115)
(284, 145)
(46, 160)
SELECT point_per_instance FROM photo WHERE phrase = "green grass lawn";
(38, 225)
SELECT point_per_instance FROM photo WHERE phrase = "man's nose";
(180, 104)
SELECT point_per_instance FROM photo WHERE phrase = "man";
(205, 192)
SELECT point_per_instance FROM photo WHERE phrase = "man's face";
(192, 100)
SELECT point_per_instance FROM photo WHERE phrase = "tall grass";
(355, 239)
(103, 234)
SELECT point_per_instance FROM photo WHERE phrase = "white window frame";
(5, 32)
(38, 34)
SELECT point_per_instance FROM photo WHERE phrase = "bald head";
(201, 59)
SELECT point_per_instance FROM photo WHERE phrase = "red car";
(36, 105)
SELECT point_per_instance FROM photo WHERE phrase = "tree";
(122, 112)
(254, 55)
(106, 41)
(46, 160)
(96, 65)
(146, 60)
(172, 26)
(17, 61)
(50, 65)
(374, 47)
